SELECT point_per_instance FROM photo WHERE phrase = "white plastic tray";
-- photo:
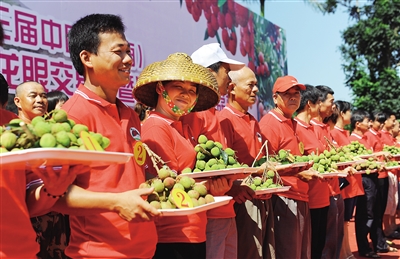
(220, 172)
(277, 168)
(363, 171)
(273, 190)
(300, 164)
(59, 156)
(392, 167)
(219, 201)
(347, 163)
(334, 174)
(381, 153)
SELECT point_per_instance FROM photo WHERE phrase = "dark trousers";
(364, 218)
(318, 231)
(382, 188)
(180, 251)
(335, 228)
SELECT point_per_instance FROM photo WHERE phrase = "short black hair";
(215, 67)
(84, 35)
(3, 90)
(358, 116)
(309, 94)
(324, 91)
(55, 97)
(381, 117)
(340, 106)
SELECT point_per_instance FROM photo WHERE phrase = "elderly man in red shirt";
(254, 219)
(18, 204)
(278, 127)
(5, 116)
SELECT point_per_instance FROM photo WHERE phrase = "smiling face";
(31, 100)
(182, 94)
(288, 102)
(112, 63)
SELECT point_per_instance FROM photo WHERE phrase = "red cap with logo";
(284, 83)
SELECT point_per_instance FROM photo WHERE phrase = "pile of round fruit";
(392, 163)
(392, 149)
(211, 156)
(368, 166)
(166, 181)
(261, 183)
(55, 132)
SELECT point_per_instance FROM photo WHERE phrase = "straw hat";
(177, 67)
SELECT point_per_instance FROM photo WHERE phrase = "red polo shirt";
(340, 136)
(321, 130)
(243, 135)
(107, 235)
(204, 123)
(355, 187)
(280, 133)
(362, 139)
(17, 238)
(168, 139)
(387, 138)
(318, 192)
(375, 141)
(6, 116)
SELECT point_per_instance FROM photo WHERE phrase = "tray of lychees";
(213, 160)
(193, 196)
(54, 141)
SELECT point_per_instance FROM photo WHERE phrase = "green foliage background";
(370, 51)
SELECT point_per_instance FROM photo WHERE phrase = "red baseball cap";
(284, 83)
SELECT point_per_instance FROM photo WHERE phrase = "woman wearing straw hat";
(175, 87)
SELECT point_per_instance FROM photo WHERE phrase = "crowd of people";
(99, 212)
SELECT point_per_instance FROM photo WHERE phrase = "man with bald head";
(31, 100)
(254, 219)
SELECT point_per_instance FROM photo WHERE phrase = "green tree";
(371, 53)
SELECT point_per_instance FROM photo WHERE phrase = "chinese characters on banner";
(36, 48)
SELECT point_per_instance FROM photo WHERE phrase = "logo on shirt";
(135, 133)
(259, 137)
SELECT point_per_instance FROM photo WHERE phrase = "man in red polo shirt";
(278, 127)
(318, 192)
(108, 216)
(254, 219)
(364, 215)
(374, 139)
(212, 57)
(17, 239)
(5, 116)
(335, 226)
(386, 135)
(221, 225)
